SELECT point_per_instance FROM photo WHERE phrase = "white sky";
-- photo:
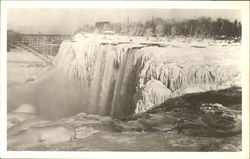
(67, 21)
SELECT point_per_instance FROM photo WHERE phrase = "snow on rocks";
(26, 108)
(22, 113)
(220, 117)
(84, 132)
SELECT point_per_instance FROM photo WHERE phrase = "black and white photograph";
(124, 79)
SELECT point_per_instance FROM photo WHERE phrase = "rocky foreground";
(147, 96)
(186, 123)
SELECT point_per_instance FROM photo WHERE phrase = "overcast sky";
(67, 21)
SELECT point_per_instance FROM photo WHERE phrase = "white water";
(105, 73)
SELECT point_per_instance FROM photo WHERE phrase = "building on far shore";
(104, 27)
(101, 24)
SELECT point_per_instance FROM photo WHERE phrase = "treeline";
(202, 27)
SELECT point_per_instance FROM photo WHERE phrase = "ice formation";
(153, 94)
(109, 77)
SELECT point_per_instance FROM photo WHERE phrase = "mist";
(53, 97)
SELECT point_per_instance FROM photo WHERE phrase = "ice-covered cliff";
(113, 76)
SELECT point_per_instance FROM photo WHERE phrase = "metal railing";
(46, 59)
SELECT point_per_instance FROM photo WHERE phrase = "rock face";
(220, 117)
(117, 79)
